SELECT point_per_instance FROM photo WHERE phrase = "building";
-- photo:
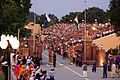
(34, 43)
(110, 41)
(35, 28)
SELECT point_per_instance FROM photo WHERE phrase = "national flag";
(76, 22)
(48, 19)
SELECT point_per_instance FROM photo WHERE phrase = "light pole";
(9, 43)
(85, 32)
(18, 36)
(34, 46)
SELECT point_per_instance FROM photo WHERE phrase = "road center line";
(75, 72)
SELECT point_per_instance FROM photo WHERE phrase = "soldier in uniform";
(54, 59)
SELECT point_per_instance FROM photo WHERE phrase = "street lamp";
(8, 42)
(70, 21)
(95, 20)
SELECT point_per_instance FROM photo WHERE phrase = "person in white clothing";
(84, 66)
(113, 70)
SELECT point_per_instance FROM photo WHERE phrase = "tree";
(92, 14)
(95, 13)
(53, 18)
(25, 32)
(115, 51)
(108, 52)
(31, 18)
(115, 15)
(13, 15)
(42, 20)
(71, 16)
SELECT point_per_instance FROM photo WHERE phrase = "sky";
(62, 7)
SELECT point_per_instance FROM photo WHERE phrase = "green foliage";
(24, 32)
(13, 15)
(42, 20)
(115, 15)
(95, 13)
(118, 52)
(71, 16)
(92, 14)
(108, 52)
(30, 17)
(114, 51)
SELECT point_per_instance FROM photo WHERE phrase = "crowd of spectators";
(26, 68)
(62, 34)
(111, 67)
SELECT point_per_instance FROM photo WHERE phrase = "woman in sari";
(21, 72)
(17, 69)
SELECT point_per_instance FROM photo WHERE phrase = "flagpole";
(85, 32)
(18, 37)
(34, 28)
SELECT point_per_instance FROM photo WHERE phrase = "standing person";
(84, 66)
(77, 59)
(64, 55)
(119, 69)
(74, 56)
(80, 60)
(105, 70)
(113, 70)
(94, 67)
(17, 69)
(24, 60)
(5, 67)
(21, 73)
(54, 59)
(109, 68)
(50, 54)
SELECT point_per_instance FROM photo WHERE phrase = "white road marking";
(59, 63)
(47, 65)
(75, 72)
(66, 68)
(44, 55)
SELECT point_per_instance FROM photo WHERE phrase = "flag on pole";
(76, 22)
(48, 19)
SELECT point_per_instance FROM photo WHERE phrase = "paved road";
(65, 71)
